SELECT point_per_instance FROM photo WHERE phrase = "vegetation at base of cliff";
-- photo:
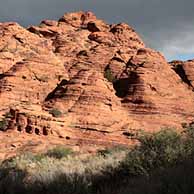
(59, 152)
(162, 163)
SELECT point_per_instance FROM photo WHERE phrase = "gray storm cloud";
(165, 25)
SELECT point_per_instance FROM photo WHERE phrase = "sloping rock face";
(83, 82)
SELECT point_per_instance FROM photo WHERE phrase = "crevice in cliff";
(182, 74)
(121, 87)
(92, 129)
(59, 91)
(126, 86)
(3, 75)
(18, 39)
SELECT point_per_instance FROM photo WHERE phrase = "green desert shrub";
(108, 75)
(162, 148)
(3, 124)
(59, 152)
(156, 151)
(177, 179)
(188, 135)
(55, 112)
(189, 131)
(4, 121)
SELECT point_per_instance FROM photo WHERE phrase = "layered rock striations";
(81, 81)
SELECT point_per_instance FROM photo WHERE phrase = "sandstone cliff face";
(83, 82)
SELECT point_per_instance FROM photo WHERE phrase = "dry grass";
(72, 173)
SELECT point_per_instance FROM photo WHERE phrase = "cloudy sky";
(165, 25)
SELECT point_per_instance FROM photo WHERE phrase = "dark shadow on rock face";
(4, 75)
(181, 72)
(121, 87)
(59, 91)
(126, 86)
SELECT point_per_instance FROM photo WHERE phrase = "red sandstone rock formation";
(83, 82)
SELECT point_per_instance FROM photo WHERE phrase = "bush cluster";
(159, 150)
(59, 152)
